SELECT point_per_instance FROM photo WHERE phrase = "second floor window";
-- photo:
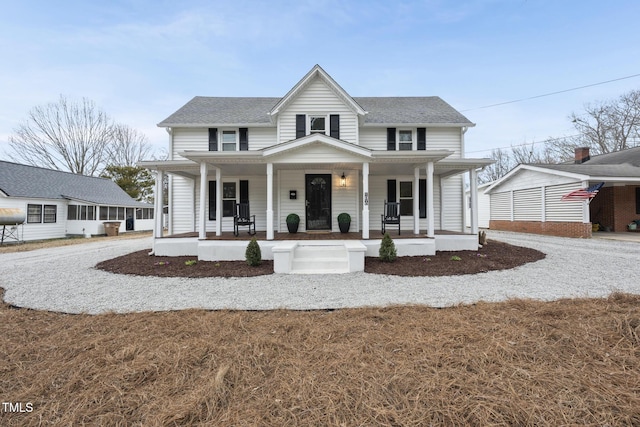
(229, 140)
(405, 140)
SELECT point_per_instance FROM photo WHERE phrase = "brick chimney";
(582, 155)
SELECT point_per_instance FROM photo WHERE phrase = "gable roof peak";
(317, 72)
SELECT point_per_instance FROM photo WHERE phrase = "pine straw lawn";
(493, 256)
(514, 363)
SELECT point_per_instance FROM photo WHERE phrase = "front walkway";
(64, 279)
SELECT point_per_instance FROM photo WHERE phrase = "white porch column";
(416, 201)
(365, 200)
(202, 218)
(270, 201)
(158, 205)
(430, 210)
(473, 187)
(218, 202)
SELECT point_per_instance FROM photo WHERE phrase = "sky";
(141, 60)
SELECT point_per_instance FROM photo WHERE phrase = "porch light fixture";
(343, 180)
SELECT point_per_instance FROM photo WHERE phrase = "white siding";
(452, 204)
(558, 210)
(290, 180)
(318, 98)
(378, 194)
(198, 139)
(527, 205)
(484, 208)
(317, 153)
(189, 139)
(257, 202)
(501, 206)
(374, 138)
(445, 139)
(40, 231)
(181, 206)
(260, 138)
(525, 179)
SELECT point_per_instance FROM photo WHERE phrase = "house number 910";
(366, 198)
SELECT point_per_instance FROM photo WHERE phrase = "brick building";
(529, 198)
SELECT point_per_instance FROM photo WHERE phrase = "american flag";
(584, 193)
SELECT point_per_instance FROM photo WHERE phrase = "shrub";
(387, 249)
(253, 253)
(191, 262)
(344, 218)
(293, 218)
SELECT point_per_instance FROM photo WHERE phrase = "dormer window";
(317, 124)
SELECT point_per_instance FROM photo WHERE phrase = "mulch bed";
(493, 256)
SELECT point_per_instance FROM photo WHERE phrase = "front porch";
(333, 252)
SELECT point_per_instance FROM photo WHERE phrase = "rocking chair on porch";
(391, 215)
(243, 217)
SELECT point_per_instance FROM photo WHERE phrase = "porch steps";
(320, 259)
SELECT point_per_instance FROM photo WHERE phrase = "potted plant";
(293, 220)
(344, 222)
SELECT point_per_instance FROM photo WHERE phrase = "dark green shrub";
(293, 219)
(344, 218)
(387, 249)
(253, 253)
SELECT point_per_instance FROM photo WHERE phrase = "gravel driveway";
(63, 279)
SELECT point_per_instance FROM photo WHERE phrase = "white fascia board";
(313, 138)
(411, 156)
(222, 156)
(333, 85)
(420, 125)
(165, 164)
(514, 171)
(216, 125)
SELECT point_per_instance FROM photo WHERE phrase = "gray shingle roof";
(206, 111)
(33, 182)
(625, 164)
(629, 156)
(613, 170)
(203, 110)
(414, 109)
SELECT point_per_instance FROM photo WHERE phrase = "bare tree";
(76, 137)
(503, 164)
(64, 136)
(609, 126)
(128, 146)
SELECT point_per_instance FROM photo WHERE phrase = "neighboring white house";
(530, 197)
(60, 204)
(484, 206)
(316, 152)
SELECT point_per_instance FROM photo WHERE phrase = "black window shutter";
(422, 138)
(334, 126)
(391, 190)
(244, 191)
(301, 125)
(212, 200)
(422, 197)
(244, 139)
(391, 139)
(213, 139)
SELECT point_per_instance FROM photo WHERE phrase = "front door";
(318, 201)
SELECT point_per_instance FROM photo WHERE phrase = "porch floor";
(315, 235)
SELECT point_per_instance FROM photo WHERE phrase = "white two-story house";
(315, 152)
